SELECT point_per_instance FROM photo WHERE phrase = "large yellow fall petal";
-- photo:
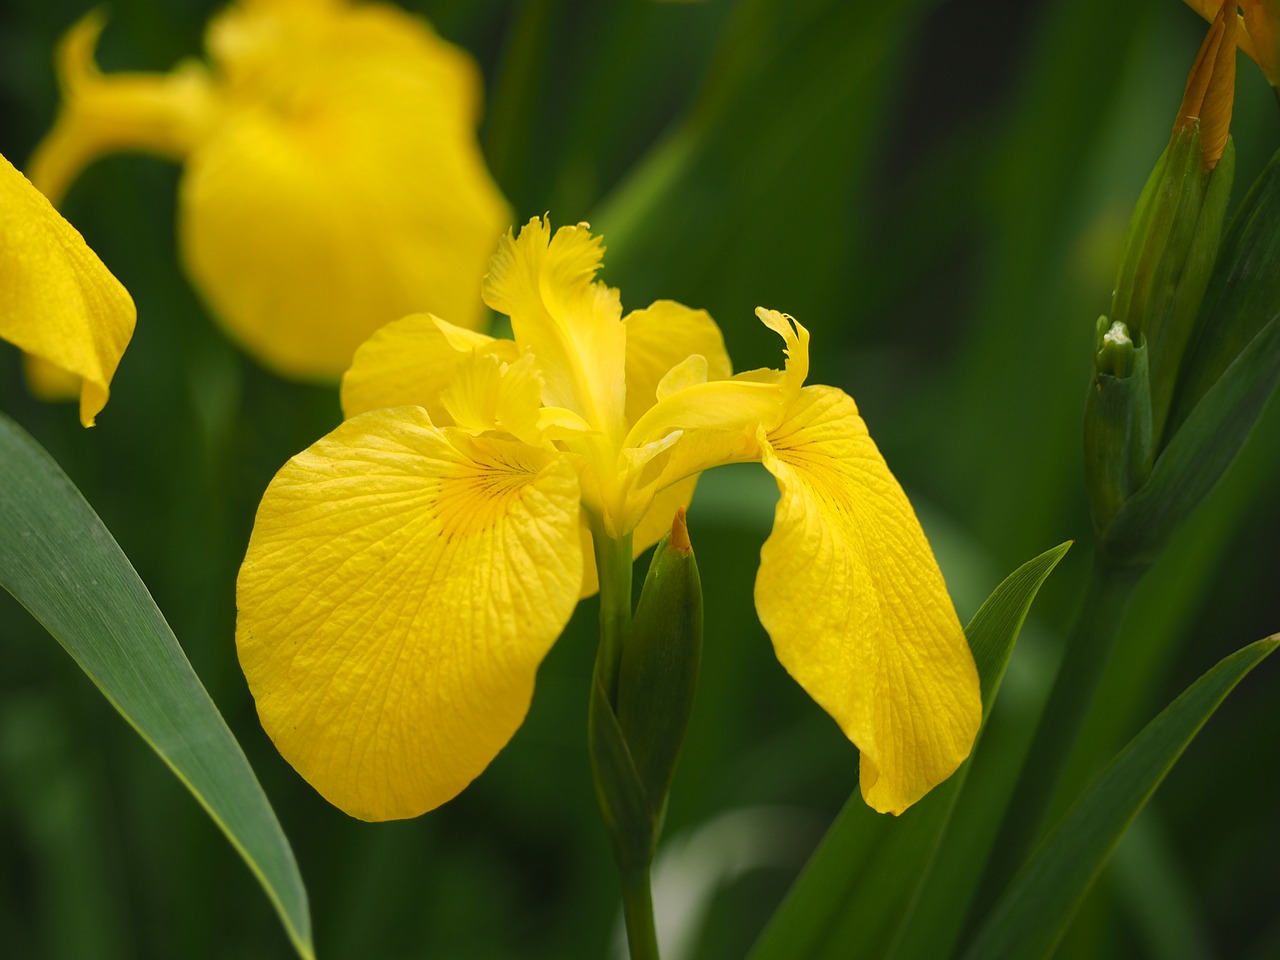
(401, 586)
(57, 300)
(546, 285)
(852, 597)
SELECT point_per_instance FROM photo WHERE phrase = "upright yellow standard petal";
(852, 597)
(332, 179)
(401, 586)
(57, 300)
(570, 321)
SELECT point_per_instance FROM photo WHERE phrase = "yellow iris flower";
(58, 302)
(331, 183)
(1258, 33)
(408, 572)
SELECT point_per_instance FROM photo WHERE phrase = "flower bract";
(408, 572)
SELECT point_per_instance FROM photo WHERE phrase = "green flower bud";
(1117, 421)
(635, 734)
(659, 671)
(1229, 372)
(1169, 254)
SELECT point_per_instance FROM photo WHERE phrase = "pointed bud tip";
(1210, 88)
(680, 533)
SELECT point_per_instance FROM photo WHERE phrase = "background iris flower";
(408, 572)
(331, 177)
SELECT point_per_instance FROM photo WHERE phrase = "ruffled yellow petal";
(849, 591)
(661, 336)
(570, 322)
(402, 584)
(410, 360)
(57, 300)
(165, 114)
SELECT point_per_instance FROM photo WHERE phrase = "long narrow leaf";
(1034, 913)
(832, 909)
(62, 564)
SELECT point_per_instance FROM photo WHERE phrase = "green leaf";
(60, 562)
(1034, 913)
(832, 910)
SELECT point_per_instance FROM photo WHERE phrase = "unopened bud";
(1177, 225)
(659, 671)
(635, 734)
(1117, 422)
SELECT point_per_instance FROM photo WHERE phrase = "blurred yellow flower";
(1259, 30)
(331, 177)
(58, 302)
(408, 572)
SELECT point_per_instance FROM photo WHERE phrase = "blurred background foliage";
(939, 191)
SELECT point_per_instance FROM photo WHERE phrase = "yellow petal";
(410, 360)
(165, 114)
(717, 422)
(661, 336)
(571, 323)
(344, 187)
(859, 614)
(57, 300)
(401, 586)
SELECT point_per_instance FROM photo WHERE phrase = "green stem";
(1087, 651)
(637, 905)
(613, 564)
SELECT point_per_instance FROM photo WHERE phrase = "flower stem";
(630, 823)
(637, 906)
(613, 564)
(1087, 651)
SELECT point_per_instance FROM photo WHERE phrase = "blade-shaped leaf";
(60, 562)
(1034, 913)
(832, 910)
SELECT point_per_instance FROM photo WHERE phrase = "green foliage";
(1031, 918)
(832, 911)
(61, 563)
